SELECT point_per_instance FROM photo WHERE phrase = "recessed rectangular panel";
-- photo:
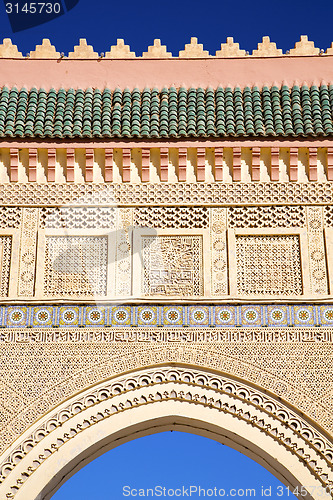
(268, 265)
(75, 266)
(172, 265)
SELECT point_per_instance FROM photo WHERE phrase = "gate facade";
(166, 256)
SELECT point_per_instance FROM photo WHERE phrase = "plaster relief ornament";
(98, 266)
(167, 242)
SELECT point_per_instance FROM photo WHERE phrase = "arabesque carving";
(77, 217)
(172, 333)
(298, 372)
(5, 258)
(172, 265)
(8, 49)
(219, 393)
(219, 267)
(165, 245)
(266, 216)
(171, 217)
(316, 241)
(27, 257)
(75, 266)
(230, 49)
(168, 194)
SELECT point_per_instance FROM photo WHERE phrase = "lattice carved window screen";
(75, 266)
(268, 265)
(268, 262)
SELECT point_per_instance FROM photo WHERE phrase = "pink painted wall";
(166, 72)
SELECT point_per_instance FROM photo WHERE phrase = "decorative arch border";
(182, 395)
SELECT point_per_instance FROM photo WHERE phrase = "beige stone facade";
(156, 284)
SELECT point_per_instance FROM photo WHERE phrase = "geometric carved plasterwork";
(172, 217)
(46, 374)
(328, 216)
(5, 259)
(218, 393)
(10, 217)
(271, 216)
(77, 217)
(27, 258)
(268, 265)
(75, 266)
(248, 252)
(121, 241)
(317, 261)
(209, 295)
(218, 232)
(172, 265)
(191, 194)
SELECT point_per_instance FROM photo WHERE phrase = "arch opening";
(171, 463)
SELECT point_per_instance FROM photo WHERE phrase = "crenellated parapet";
(265, 48)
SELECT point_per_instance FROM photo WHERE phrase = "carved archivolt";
(217, 393)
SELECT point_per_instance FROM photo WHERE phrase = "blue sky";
(174, 459)
(174, 21)
(171, 460)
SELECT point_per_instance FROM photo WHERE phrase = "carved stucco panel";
(46, 374)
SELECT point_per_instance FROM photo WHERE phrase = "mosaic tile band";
(166, 316)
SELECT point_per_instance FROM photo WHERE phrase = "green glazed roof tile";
(169, 112)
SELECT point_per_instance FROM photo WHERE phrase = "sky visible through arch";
(174, 460)
(172, 465)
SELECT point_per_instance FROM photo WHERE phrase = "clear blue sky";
(174, 459)
(175, 21)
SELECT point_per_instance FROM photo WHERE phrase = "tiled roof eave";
(167, 114)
